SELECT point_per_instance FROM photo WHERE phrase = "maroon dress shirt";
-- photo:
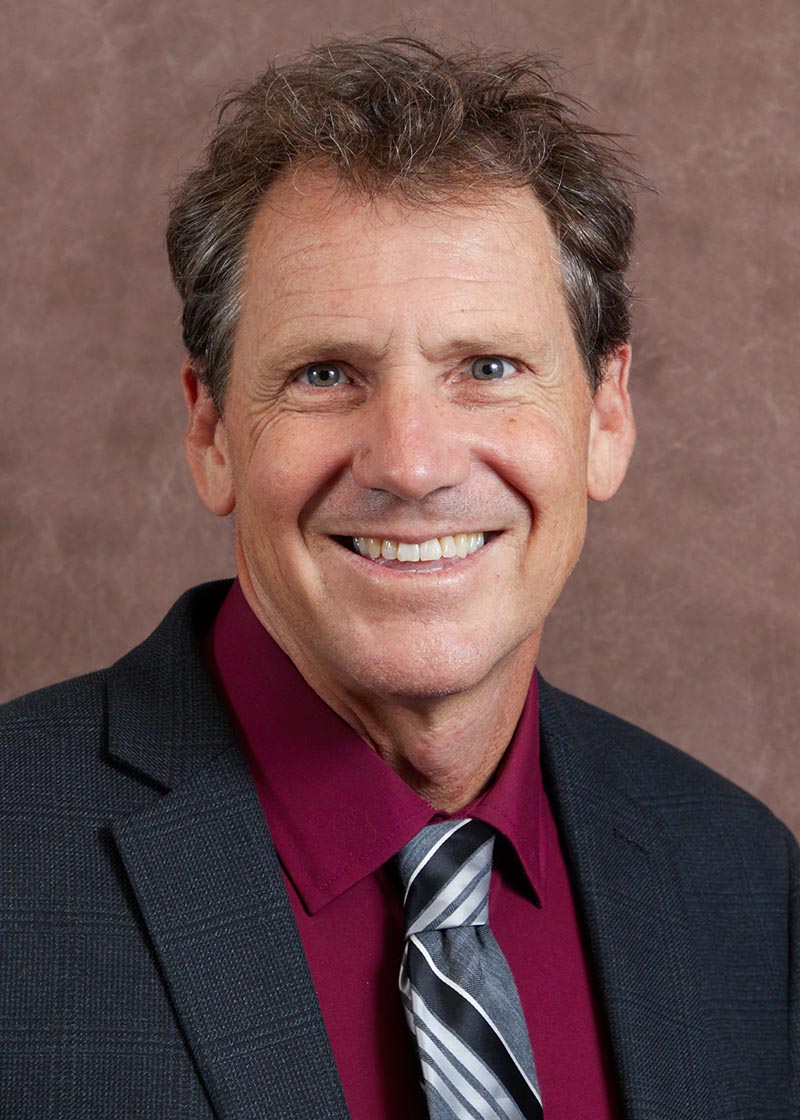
(338, 814)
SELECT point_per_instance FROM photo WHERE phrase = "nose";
(409, 442)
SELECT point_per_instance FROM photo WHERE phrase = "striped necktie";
(460, 1000)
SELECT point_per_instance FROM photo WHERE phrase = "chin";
(428, 671)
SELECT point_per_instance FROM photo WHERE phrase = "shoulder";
(694, 802)
(175, 640)
(57, 738)
(51, 718)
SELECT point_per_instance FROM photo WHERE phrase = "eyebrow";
(302, 349)
(292, 353)
(490, 342)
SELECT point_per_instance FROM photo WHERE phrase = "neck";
(446, 749)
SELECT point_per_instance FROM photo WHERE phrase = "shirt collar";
(335, 809)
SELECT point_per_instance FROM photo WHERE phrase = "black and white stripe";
(474, 1051)
(450, 884)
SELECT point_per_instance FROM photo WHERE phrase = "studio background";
(683, 614)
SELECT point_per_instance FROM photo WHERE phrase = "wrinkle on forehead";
(310, 198)
(348, 266)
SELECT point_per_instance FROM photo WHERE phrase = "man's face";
(404, 378)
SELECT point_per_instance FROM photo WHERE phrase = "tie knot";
(445, 871)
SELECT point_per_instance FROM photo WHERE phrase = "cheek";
(544, 458)
(289, 465)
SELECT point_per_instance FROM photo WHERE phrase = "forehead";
(318, 252)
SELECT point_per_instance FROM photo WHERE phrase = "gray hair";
(396, 115)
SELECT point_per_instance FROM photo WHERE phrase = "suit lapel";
(209, 888)
(627, 883)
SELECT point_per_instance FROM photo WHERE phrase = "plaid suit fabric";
(149, 962)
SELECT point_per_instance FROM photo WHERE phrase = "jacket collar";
(164, 716)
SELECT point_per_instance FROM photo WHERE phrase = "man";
(407, 365)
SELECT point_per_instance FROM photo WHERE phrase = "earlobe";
(612, 431)
(205, 446)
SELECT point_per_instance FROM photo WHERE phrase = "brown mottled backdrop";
(683, 615)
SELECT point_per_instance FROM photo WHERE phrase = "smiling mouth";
(455, 547)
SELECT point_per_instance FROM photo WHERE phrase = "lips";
(451, 546)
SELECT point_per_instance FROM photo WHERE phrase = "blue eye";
(322, 375)
(491, 368)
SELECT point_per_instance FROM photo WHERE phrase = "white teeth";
(430, 550)
(460, 545)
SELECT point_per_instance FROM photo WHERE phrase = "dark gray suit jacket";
(151, 966)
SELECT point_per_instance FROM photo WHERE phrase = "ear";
(205, 446)
(612, 431)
